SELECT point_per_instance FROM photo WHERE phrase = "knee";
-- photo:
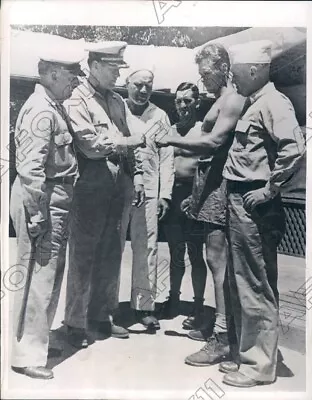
(177, 254)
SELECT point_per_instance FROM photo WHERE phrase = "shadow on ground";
(60, 350)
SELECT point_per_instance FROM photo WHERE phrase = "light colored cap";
(254, 52)
(111, 52)
(67, 53)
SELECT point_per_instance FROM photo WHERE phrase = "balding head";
(145, 73)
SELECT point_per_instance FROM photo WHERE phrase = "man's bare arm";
(228, 116)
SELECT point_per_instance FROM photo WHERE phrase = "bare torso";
(185, 167)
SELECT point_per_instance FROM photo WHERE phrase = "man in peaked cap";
(103, 127)
(40, 201)
(266, 151)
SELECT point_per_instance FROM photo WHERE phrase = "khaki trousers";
(253, 239)
(46, 279)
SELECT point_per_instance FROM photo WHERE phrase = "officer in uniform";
(103, 125)
(40, 201)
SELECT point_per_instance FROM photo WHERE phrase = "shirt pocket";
(241, 135)
(62, 139)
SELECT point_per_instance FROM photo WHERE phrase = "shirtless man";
(208, 201)
(181, 232)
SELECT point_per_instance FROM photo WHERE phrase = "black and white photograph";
(154, 202)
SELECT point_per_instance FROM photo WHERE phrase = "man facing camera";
(158, 176)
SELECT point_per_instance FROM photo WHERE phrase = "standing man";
(267, 147)
(183, 233)
(102, 123)
(208, 200)
(158, 167)
(40, 201)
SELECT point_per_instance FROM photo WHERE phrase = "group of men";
(99, 164)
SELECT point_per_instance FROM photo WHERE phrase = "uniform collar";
(267, 88)
(93, 91)
(46, 93)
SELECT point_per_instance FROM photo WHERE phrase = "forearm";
(183, 153)
(195, 145)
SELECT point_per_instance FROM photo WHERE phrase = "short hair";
(139, 70)
(215, 52)
(189, 86)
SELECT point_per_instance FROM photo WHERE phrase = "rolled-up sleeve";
(87, 140)
(282, 125)
(35, 128)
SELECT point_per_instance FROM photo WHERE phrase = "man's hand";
(162, 139)
(37, 229)
(139, 195)
(255, 197)
(107, 145)
(185, 204)
(162, 208)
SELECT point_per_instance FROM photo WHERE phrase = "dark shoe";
(240, 380)
(190, 323)
(228, 366)
(148, 320)
(195, 319)
(216, 349)
(35, 372)
(77, 337)
(171, 307)
(110, 329)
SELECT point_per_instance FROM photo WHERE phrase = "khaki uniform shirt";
(158, 163)
(43, 150)
(95, 117)
(268, 142)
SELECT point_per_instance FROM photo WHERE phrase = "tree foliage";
(143, 35)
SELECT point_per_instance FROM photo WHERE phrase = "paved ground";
(148, 365)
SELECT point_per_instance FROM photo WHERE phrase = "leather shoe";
(148, 320)
(240, 380)
(77, 337)
(35, 372)
(228, 366)
(110, 329)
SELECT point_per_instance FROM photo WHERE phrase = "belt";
(241, 187)
(62, 180)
